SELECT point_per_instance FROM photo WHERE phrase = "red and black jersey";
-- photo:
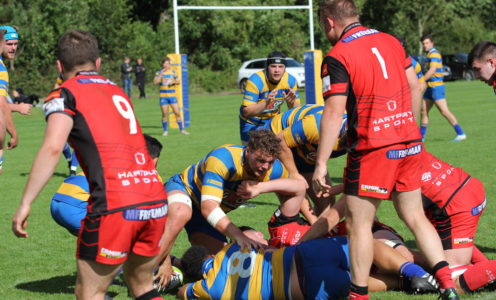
(109, 143)
(440, 181)
(368, 67)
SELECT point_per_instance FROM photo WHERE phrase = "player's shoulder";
(227, 153)
(258, 79)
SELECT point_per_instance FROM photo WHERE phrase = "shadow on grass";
(336, 180)
(412, 245)
(261, 203)
(58, 174)
(56, 285)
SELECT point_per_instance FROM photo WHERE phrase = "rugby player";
(265, 92)
(127, 198)
(368, 73)
(482, 58)
(169, 83)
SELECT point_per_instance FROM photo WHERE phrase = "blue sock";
(458, 129)
(67, 152)
(164, 125)
(1, 160)
(181, 125)
(410, 269)
(74, 161)
(423, 130)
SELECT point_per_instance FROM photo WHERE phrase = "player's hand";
(163, 275)
(290, 97)
(12, 142)
(319, 184)
(24, 108)
(271, 99)
(245, 242)
(20, 221)
(248, 189)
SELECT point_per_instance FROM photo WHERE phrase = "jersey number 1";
(381, 62)
(126, 112)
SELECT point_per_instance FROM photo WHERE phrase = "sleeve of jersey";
(252, 90)
(408, 62)
(435, 58)
(4, 81)
(335, 78)
(196, 291)
(157, 74)
(59, 101)
(277, 171)
(213, 179)
(305, 131)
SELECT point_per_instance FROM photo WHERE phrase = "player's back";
(435, 59)
(290, 117)
(109, 143)
(379, 102)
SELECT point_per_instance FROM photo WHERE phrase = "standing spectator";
(482, 58)
(126, 70)
(368, 73)
(140, 72)
(265, 92)
(127, 207)
(436, 92)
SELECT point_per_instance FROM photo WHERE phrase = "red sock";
(358, 292)
(477, 255)
(478, 276)
(442, 273)
(356, 296)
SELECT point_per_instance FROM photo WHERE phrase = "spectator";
(140, 72)
(126, 70)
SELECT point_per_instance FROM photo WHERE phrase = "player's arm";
(257, 108)
(22, 108)
(287, 158)
(2, 124)
(158, 77)
(9, 123)
(432, 69)
(416, 90)
(57, 131)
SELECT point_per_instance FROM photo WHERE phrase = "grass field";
(43, 266)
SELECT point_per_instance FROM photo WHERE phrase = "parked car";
(458, 64)
(250, 67)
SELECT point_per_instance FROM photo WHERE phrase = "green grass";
(43, 266)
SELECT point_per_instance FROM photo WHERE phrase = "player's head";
(482, 58)
(427, 42)
(192, 263)
(166, 62)
(11, 38)
(261, 151)
(275, 66)
(77, 50)
(334, 15)
(154, 147)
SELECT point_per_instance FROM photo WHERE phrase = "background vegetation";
(218, 41)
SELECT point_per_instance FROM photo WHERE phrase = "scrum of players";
(312, 248)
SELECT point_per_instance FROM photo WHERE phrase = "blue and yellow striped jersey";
(418, 69)
(166, 87)
(218, 175)
(4, 79)
(434, 58)
(59, 80)
(74, 189)
(258, 88)
(244, 274)
(301, 130)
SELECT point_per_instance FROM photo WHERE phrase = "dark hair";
(166, 59)
(481, 50)
(153, 145)
(192, 263)
(339, 10)
(76, 48)
(264, 140)
(427, 36)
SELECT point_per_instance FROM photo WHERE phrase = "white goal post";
(308, 7)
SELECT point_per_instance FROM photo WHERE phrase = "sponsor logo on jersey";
(326, 84)
(402, 153)
(479, 208)
(53, 105)
(427, 176)
(391, 104)
(359, 34)
(373, 188)
(112, 254)
(393, 120)
(459, 241)
(95, 80)
(145, 214)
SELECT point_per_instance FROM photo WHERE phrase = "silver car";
(250, 67)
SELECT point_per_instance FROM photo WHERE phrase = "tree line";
(217, 42)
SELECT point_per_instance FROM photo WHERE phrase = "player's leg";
(179, 119)
(93, 279)
(138, 273)
(165, 115)
(424, 115)
(360, 212)
(1, 161)
(442, 106)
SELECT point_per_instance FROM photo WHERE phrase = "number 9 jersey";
(109, 143)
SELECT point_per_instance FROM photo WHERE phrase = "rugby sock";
(150, 295)
(181, 125)
(164, 125)
(423, 130)
(74, 161)
(67, 152)
(442, 273)
(478, 276)
(410, 269)
(458, 129)
(477, 255)
(358, 292)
